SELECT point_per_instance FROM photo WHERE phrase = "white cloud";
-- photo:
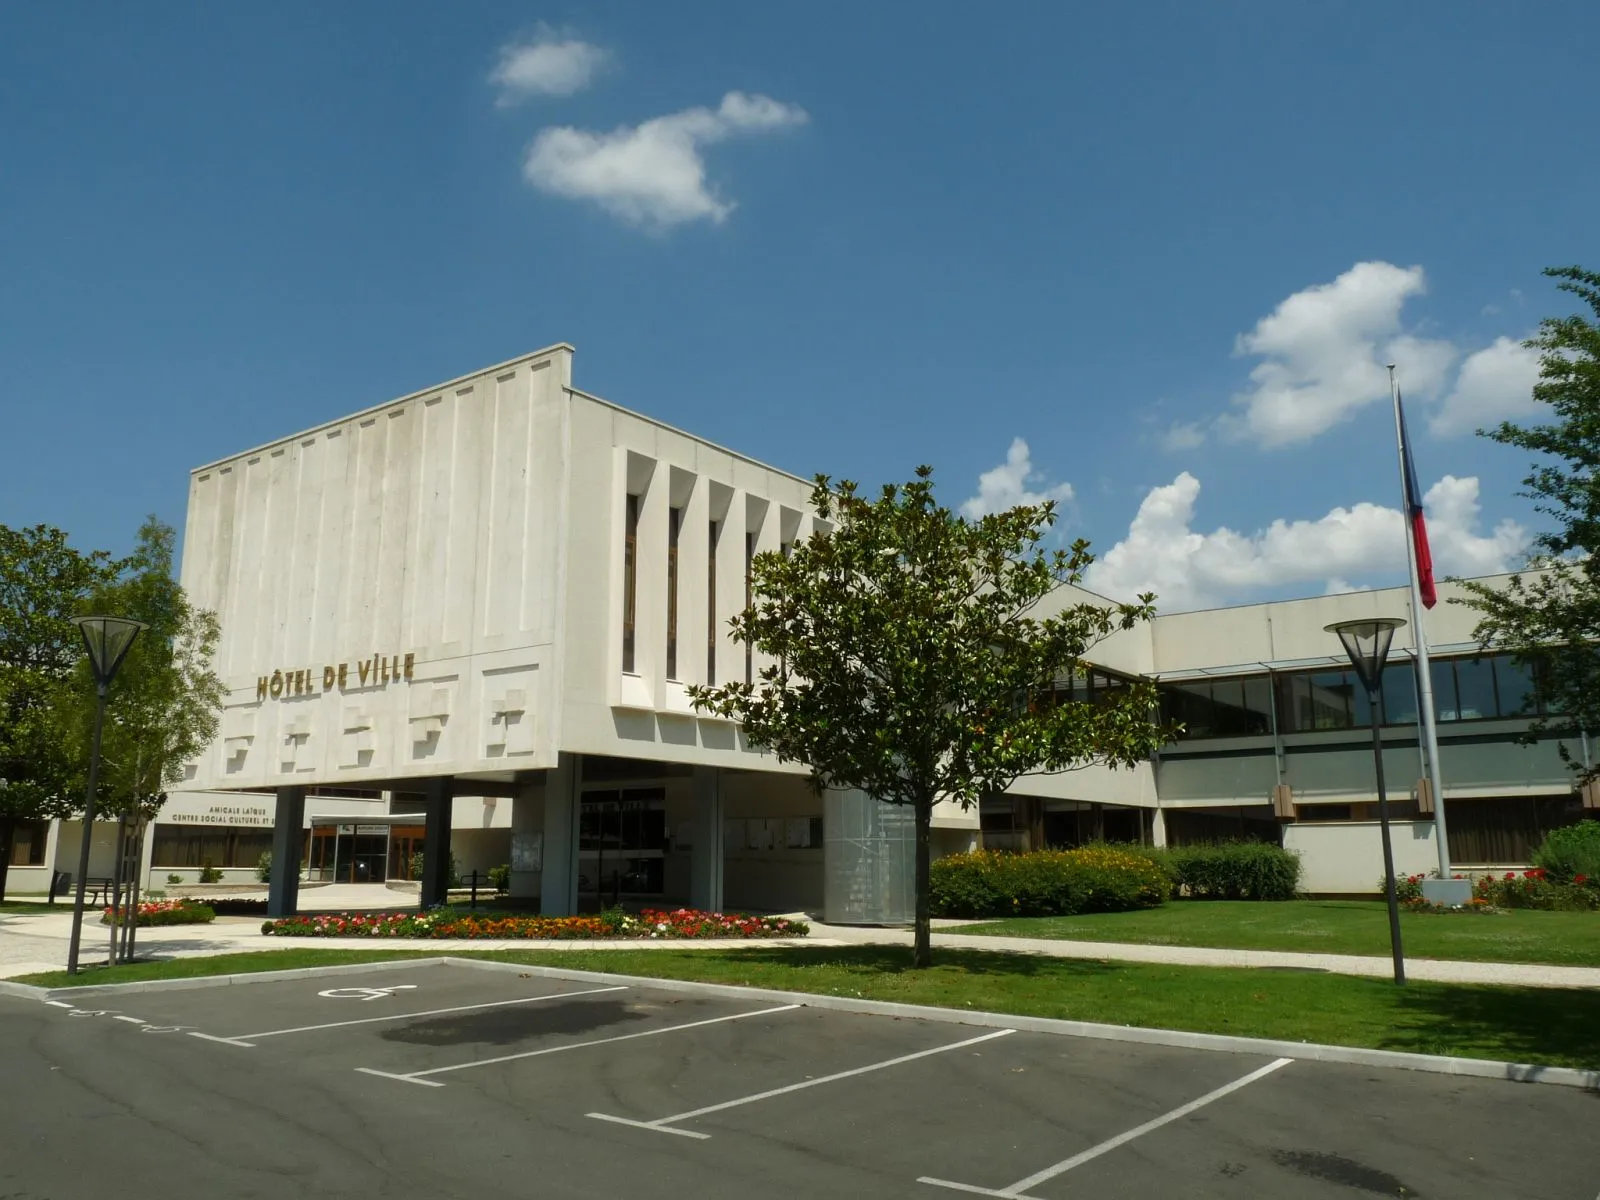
(549, 65)
(654, 173)
(1183, 436)
(1324, 351)
(1011, 484)
(1162, 553)
(1494, 385)
(1338, 587)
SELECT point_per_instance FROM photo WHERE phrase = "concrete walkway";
(1433, 969)
(31, 944)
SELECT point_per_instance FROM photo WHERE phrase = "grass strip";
(1552, 1026)
(1327, 927)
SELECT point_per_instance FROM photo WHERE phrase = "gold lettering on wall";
(376, 671)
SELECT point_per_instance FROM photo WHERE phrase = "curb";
(1435, 1064)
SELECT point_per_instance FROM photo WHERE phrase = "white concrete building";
(476, 609)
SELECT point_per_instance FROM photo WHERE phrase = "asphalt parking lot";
(451, 1081)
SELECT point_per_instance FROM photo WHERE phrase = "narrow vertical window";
(749, 595)
(674, 523)
(630, 580)
(711, 602)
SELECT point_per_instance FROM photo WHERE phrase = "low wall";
(1346, 857)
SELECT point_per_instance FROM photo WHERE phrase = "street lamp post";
(1367, 644)
(107, 639)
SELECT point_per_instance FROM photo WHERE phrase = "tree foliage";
(1549, 617)
(914, 656)
(43, 584)
(162, 709)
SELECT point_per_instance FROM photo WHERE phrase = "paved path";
(1438, 970)
(30, 944)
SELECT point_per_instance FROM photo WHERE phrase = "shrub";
(264, 867)
(1234, 871)
(174, 878)
(210, 873)
(1568, 853)
(455, 869)
(500, 878)
(1045, 883)
(1407, 888)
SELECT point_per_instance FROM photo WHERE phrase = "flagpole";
(1425, 717)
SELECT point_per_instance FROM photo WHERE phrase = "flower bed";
(162, 912)
(446, 923)
(1534, 888)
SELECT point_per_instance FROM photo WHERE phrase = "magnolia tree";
(1550, 618)
(43, 584)
(162, 711)
(914, 657)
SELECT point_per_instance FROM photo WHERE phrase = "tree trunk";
(922, 947)
(8, 838)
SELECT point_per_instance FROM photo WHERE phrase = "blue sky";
(1167, 246)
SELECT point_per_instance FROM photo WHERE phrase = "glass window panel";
(1192, 706)
(1400, 693)
(1514, 685)
(630, 581)
(1329, 700)
(1360, 702)
(1294, 703)
(1443, 674)
(1227, 707)
(1257, 705)
(27, 848)
(1475, 688)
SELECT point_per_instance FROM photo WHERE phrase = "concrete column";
(527, 840)
(288, 831)
(706, 851)
(437, 798)
(1158, 829)
(147, 846)
(558, 882)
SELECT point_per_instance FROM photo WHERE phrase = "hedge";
(1231, 870)
(1045, 883)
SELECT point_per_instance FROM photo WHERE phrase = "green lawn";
(28, 908)
(1537, 1025)
(1329, 927)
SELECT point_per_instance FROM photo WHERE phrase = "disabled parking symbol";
(366, 993)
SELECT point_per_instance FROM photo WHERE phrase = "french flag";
(1419, 526)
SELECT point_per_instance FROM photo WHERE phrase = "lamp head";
(1367, 642)
(107, 640)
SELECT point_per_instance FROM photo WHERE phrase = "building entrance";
(622, 840)
(349, 853)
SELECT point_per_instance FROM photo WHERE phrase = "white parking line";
(59, 1004)
(132, 1020)
(249, 1039)
(418, 1076)
(662, 1124)
(1018, 1190)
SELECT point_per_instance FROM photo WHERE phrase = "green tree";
(1549, 617)
(915, 657)
(43, 584)
(162, 711)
